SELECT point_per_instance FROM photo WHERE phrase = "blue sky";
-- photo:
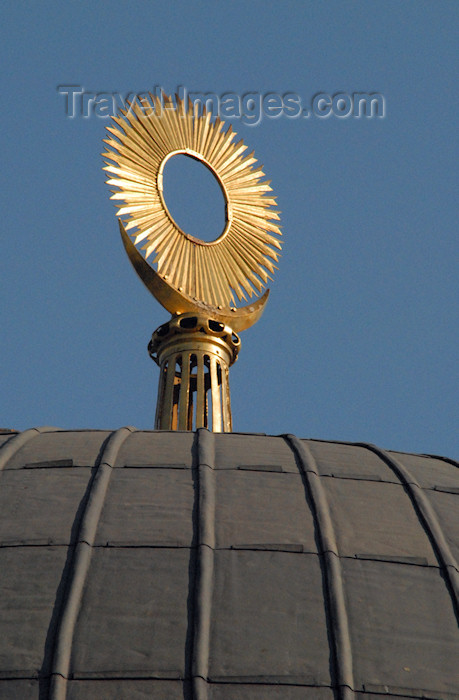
(359, 339)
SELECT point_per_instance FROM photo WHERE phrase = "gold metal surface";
(241, 259)
(196, 281)
(194, 354)
(178, 303)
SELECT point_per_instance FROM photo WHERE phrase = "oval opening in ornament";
(194, 198)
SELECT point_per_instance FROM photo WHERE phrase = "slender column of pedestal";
(194, 354)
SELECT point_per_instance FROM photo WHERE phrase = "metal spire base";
(194, 354)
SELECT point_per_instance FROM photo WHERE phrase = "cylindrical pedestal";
(194, 354)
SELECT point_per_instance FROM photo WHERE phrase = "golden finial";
(193, 276)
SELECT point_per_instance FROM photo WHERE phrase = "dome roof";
(172, 565)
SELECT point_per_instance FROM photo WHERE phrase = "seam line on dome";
(98, 486)
(293, 549)
(437, 487)
(428, 519)
(339, 626)
(269, 681)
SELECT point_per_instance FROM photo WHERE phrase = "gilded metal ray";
(240, 260)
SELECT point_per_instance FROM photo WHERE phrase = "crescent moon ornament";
(192, 274)
(178, 303)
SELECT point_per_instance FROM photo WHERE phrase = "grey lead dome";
(180, 566)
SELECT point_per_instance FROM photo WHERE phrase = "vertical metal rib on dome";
(206, 546)
(339, 626)
(14, 444)
(80, 565)
(429, 520)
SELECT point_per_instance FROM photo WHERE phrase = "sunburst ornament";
(212, 273)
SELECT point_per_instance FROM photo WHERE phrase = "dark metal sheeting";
(402, 626)
(264, 453)
(376, 519)
(30, 584)
(44, 445)
(171, 449)
(148, 507)
(127, 690)
(268, 618)
(173, 565)
(271, 511)
(38, 506)
(133, 618)
(23, 689)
